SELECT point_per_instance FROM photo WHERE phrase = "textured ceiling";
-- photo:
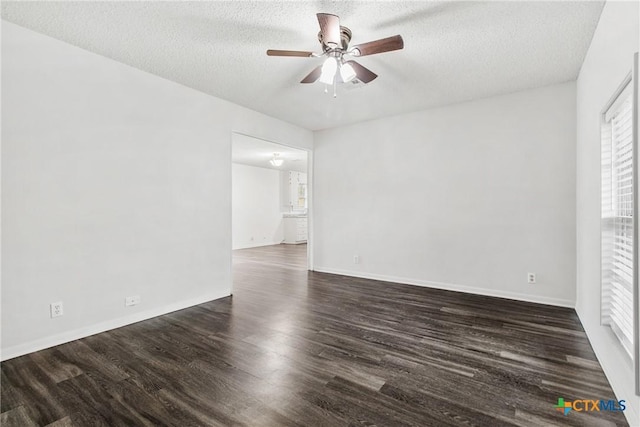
(251, 151)
(454, 51)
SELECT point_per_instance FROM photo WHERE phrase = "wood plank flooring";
(298, 348)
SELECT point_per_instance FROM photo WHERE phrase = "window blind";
(617, 218)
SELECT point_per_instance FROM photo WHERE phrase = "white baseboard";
(65, 337)
(631, 414)
(452, 287)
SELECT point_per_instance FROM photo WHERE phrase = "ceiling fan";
(335, 39)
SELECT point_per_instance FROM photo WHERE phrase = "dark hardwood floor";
(293, 347)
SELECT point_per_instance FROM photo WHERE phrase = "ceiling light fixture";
(329, 69)
(334, 39)
(347, 72)
(276, 161)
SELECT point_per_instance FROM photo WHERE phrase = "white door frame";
(309, 200)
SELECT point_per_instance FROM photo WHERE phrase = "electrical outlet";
(356, 259)
(132, 300)
(531, 277)
(56, 309)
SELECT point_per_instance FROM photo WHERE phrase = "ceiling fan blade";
(378, 46)
(313, 76)
(363, 74)
(330, 29)
(301, 53)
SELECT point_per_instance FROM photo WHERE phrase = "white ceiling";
(454, 51)
(251, 151)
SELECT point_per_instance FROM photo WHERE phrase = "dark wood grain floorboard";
(298, 348)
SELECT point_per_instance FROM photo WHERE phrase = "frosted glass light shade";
(347, 73)
(329, 69)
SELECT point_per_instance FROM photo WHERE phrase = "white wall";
(468, 197)
(607, 62)
(115, 182)
(256, 217)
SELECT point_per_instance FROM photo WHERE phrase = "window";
(618, 207)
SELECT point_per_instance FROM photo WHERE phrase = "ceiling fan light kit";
(335, 39)
(347, 73)
(329, 69)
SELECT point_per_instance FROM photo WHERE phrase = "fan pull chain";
(335, 84)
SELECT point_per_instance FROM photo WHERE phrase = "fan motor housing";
(345, 38)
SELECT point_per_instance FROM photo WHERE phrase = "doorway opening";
(270, 203)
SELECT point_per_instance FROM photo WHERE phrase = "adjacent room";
(269, 201)
(320, 213)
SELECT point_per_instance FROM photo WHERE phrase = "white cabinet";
(295, 230)
(293, 191)
(293, 195)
